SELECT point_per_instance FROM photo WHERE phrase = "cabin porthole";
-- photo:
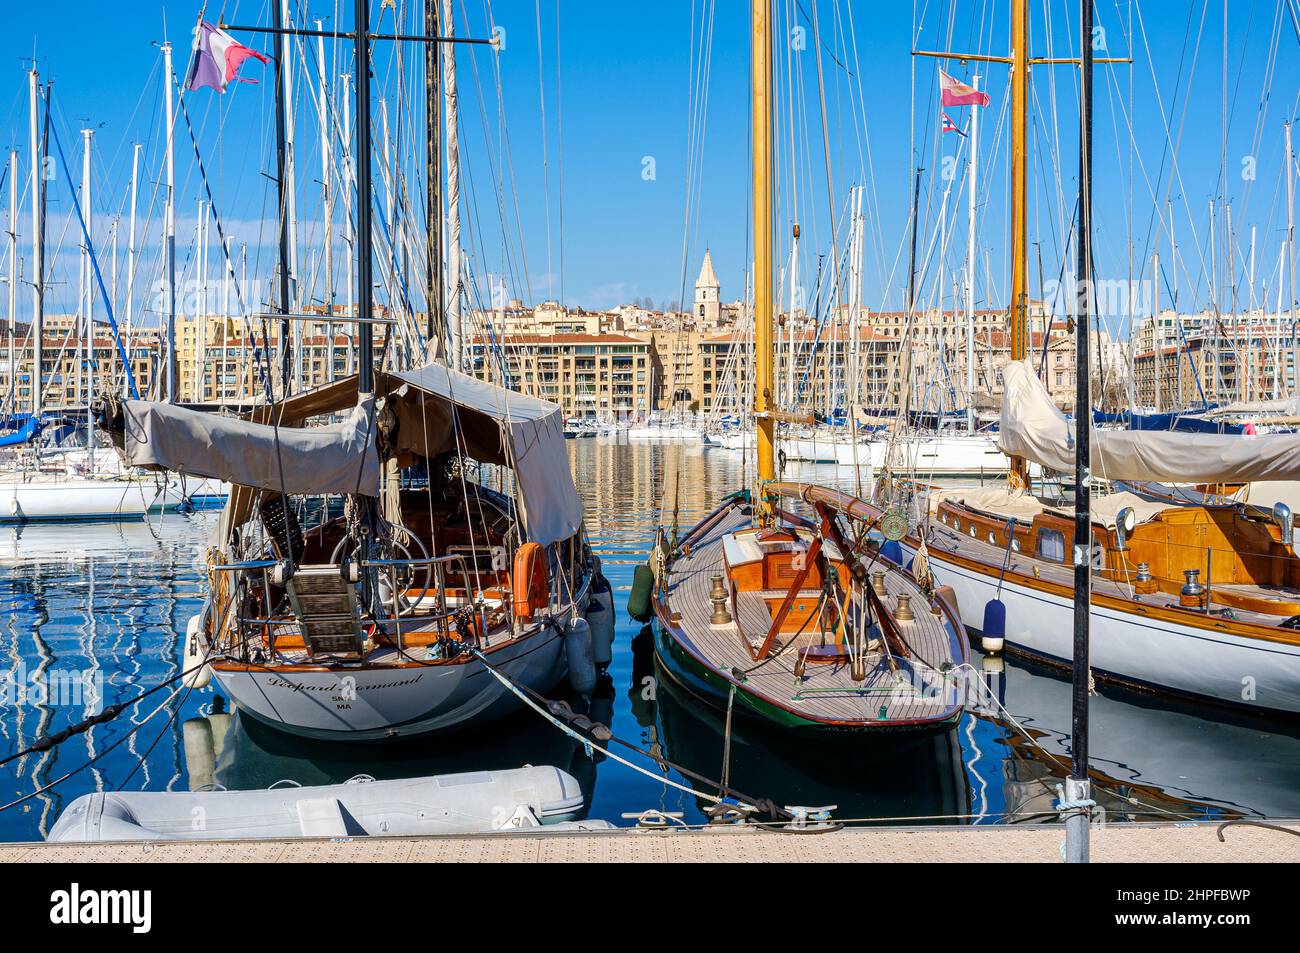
(993, 540)
(1015, 545)
(972, 531)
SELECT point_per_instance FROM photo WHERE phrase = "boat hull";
(389, 702)
(1147, 650)
(704, 683)
(80, 499)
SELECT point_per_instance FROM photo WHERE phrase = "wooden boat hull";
(914, 692)
(388, 702)
(697, 677)
(1151, 649)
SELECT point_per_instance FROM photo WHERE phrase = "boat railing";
(436, 568)
(436, 572)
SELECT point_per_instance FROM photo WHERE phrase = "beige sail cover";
(336, 458)
(1033, 428)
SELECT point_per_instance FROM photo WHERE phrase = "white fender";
(194, 652)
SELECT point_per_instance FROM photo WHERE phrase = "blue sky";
(611, 96)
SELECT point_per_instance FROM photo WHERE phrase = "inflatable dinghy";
(471, 803)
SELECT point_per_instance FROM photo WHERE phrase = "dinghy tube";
(477, 802)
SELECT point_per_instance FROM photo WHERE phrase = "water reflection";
(105, 605)
(900, 776)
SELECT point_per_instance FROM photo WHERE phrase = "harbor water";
(93, 615)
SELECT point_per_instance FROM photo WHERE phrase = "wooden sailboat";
(1198, 600)
(786, 618)
(428, 598)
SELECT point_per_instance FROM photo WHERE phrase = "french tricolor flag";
(949, 125)
(217, 58)
(956, 93)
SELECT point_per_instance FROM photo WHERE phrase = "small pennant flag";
(950, 126)
(217, 58)
(955, 93)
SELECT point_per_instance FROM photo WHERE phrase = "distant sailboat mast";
(37, 193)
(970, 262)
(13, 276)
(169, 226)
(87, 297)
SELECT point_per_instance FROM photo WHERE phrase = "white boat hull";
(947, 455)
(667, 434)
(82, 499)
(845, 453)
(1146, 651)
(386, 702)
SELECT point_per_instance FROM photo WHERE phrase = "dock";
(1111, 843)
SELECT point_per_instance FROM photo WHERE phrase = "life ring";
(530, 583)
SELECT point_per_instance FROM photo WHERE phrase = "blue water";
(101, 608)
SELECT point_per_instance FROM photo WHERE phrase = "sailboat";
(1196, 600)
(787, 618)
(412, 567)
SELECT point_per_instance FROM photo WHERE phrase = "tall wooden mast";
(1019, 176)
(761, 69)
(1019, 61)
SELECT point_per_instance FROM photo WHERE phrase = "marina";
(335, 527)
(84, 610)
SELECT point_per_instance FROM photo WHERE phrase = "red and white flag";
(949, 125)
(955, 93)
(217, 58)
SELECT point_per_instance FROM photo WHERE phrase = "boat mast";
(13, 275)
(327, 196)
(38, 248)
(435, 331)
(452, 118)
(226, 274)
(365, 281)
(1155, 324)
(1019, 180)
(349, 234)
(1290, 248)
(761, 78)
(973, 167)
(201, 312)
(1078, 796)
(282, 174)
(130, 247)
(87, 298)
(169, 228)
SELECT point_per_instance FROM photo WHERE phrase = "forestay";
(1033, 428)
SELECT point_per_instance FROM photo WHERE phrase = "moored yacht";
(366, 578)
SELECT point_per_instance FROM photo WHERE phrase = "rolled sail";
(335, 458)
(1033, 428)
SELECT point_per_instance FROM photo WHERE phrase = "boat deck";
(944, 539)
(826, 692)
